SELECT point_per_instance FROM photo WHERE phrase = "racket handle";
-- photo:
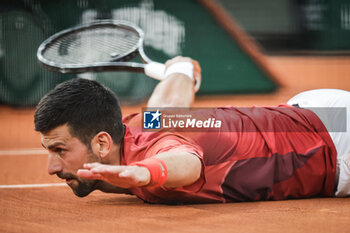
(155, 70)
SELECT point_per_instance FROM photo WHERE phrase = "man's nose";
(54, 164)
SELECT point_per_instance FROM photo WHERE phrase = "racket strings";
(90, 46)
(91, 49)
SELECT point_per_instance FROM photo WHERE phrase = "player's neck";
(114, 155)
(108, 188)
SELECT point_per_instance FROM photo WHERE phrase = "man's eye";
(60, 151)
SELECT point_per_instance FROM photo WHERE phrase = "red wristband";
(157, 168)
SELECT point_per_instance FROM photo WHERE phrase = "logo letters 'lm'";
(152, 120)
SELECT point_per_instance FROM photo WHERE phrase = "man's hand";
(121, 176)
(197, 71)
(177, 90)
(184, 168)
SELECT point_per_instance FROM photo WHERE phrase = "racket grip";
(155, 70)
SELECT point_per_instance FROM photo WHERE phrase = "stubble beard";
(81, 187)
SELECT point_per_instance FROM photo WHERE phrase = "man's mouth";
(69, 180)
(65, 176)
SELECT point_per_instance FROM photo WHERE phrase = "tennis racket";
(96, 47)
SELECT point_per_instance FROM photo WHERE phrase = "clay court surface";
(56, 209)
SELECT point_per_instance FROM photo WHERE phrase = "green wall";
(181, 27)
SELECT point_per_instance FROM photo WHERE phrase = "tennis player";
(268, 153)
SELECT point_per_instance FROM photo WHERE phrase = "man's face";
(67, 154)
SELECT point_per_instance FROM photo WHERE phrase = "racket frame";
(119, 65)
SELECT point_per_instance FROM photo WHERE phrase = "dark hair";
(85, 105)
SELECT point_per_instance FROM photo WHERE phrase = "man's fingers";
(103, 169)
(84, 173)
(108, 169)
(91, 165)
(99, 168)
(122, 176)
(125, 174)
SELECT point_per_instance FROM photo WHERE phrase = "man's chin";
(81, 188)
(78, 193)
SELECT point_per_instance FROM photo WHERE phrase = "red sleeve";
(177, 143)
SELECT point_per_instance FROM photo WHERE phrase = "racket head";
(98, 46)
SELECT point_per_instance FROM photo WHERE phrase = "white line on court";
(33, 151)
(14, 186)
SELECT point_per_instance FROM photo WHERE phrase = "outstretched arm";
(177, 90)
(183, 168)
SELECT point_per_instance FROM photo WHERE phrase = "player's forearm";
(175, 91)
(184, 168)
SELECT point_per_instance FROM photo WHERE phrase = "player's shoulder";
(133, 119)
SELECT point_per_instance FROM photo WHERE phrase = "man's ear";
(101, 144)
